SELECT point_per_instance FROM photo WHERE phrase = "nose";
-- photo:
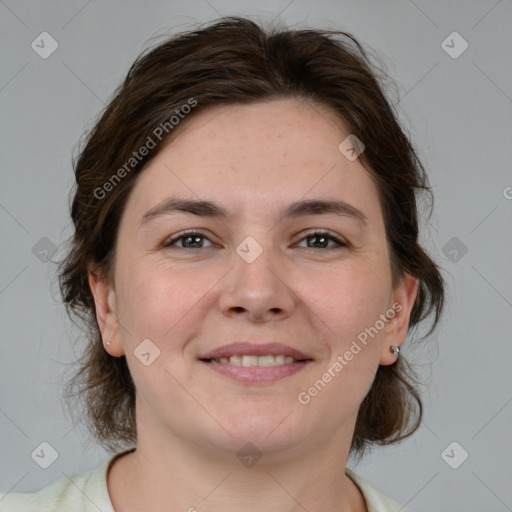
(257, 290)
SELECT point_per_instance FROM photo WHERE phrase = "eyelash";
(185, 234)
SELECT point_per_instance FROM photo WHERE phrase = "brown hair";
(233, 60)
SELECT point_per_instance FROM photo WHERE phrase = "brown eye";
(321, 240)
(191, 240)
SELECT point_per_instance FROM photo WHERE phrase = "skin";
(254, 160)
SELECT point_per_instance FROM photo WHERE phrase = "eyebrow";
(294, 210)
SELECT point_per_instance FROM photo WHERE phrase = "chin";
(247, 443)
(268, 432)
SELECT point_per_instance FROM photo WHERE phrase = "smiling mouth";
(261, 361)
(256, 370)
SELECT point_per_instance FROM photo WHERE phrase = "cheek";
(345, 301)
(156, 306)
(152, 301)
(344, 307)
(165, 304)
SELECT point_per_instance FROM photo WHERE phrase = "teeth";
(250, 360)
(235, 360)
(267, 360)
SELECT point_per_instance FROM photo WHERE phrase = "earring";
(107, 343)
(395, 349)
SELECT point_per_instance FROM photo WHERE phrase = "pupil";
(323, 238)
(196, 238)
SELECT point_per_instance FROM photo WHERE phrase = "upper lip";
(255, 349)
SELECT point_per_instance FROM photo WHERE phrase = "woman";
(246, 261)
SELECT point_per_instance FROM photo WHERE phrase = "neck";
(172, 473)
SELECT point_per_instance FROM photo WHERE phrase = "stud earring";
(395, 349)
(107, 343)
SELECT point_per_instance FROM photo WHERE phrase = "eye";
(323, 239)
(192, 240)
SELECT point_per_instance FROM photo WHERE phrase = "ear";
(402, 301)
(106, 315)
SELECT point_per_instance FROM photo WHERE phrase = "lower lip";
(255, 374)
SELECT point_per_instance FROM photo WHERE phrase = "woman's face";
(257, 276)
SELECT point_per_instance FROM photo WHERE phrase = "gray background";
(458, 111)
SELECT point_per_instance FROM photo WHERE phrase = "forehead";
(257, 158)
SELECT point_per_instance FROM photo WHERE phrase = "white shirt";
(87, 492)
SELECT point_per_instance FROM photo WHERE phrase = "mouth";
(256, 363)
(262, 361)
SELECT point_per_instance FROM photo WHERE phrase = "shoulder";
(81, 492)
(376, 500)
